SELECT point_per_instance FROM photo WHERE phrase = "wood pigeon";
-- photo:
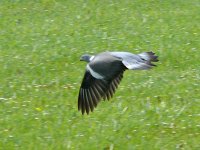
(104, 72)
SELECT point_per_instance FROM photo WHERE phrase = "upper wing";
(92, 90)
(140, 61)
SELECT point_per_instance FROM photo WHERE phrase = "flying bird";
(104, 72)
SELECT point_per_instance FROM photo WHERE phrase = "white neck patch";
(92, 57)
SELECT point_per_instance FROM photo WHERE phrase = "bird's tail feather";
(142, 61)
(148, 56)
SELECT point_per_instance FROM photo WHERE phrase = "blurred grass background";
(41, 42)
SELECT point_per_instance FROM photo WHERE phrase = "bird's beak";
(81, 59)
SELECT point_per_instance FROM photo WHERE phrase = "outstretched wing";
(92, 90)
(140, 61)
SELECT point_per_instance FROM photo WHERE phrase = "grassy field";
(41, 42)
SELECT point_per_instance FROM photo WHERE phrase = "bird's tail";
(148, 58)
(142, 61)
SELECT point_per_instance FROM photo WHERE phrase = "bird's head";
(86, 58)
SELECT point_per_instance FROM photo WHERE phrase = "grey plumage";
(104, 72)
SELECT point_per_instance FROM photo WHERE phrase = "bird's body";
(104, 72)
(104, 66)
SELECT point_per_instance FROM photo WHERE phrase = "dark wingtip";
(83, 112)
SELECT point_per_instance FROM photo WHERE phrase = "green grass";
(41, 42)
